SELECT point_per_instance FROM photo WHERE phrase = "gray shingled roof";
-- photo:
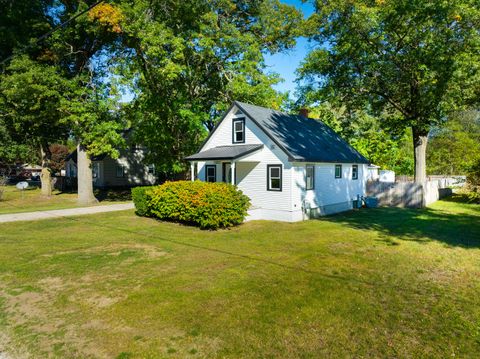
(303, 139)
(224, 152)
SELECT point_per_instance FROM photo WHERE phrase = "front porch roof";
(224, 152)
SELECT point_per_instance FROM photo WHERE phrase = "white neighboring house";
(373, 173)
(292, 167)
(128, 170)
(387, 176)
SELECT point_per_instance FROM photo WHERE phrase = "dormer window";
(238, 131)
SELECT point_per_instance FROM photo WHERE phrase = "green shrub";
(473, 183)
(207, 205)
(140, 197)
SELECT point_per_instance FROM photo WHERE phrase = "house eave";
(195, 158)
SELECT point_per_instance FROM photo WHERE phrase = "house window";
(151, 169)
(338, 171)
(354, 172)
(73, 170)
(211, 173)
(310, 180)
(238, 130)
(120, 171)
(95, 169)
(274, 177)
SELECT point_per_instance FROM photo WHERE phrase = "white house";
(373, 172)
(292, 167)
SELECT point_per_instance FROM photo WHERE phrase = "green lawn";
(16, 201)
(372, 283)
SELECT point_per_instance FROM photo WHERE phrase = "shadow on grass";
(465, 200)
(110, 195)
(113, 195)
(419, 225)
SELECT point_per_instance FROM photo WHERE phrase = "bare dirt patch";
(116, 249)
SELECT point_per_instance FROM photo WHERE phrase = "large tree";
(409, 62)
(95, 124)
(21, 21)
(83, 50)
(187, 61)
(30, 99)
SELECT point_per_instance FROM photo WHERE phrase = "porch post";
(192, 171)
(232, 169)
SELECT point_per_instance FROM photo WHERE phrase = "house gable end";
(222, 134)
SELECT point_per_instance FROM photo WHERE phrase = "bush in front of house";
(140, 197)
(207, 205)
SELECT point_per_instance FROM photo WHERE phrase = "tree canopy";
(410, 63)
(454, 148)
(188, 60)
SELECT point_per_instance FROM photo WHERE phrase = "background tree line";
(390, 76)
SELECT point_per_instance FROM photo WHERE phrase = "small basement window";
(354, 172)
(310, 180)
(338, 171)
(274, 177)
(238, 130)
(211, 173)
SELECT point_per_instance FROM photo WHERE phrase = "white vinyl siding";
(287, 204)
(328, 190)
(251, 171)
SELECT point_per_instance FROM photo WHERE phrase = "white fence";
(408, 194)
(445, 181)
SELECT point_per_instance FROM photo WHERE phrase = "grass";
(16, 201)
(371, 283)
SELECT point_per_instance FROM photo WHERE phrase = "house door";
(227, 172)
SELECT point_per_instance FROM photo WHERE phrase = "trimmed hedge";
(140, 199)
(207, 205)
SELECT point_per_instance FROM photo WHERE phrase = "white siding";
(287, 205)
(223, 133)
(252, 170)
(328, 190)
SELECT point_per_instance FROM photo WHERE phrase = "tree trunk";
(84, 177)
(45, 176)
(420, 138)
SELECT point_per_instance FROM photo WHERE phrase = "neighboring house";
(127, 171)
(292, 167)
(373, 173)
(386, 176)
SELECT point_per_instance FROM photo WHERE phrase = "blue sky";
(286, 63)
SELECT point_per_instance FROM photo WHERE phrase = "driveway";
(58, 213)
